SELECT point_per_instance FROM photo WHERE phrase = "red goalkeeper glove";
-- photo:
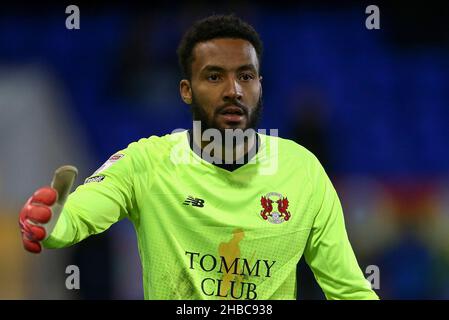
(41, 212)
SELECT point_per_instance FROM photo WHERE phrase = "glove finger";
(63, 180)
(35, 233)
(45, 195)
(30, 231)
(37, 214)
(31, 246)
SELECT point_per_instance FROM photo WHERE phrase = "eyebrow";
(212, 68)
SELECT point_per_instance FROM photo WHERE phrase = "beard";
(199, 114)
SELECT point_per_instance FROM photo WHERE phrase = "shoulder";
(155, 144)
(293, 157)
(154, 148)
(289, 150)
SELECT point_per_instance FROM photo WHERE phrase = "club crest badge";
(269, 212)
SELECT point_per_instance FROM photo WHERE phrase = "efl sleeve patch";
(116, 157)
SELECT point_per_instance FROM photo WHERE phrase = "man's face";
(225, 87)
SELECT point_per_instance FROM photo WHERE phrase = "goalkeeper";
(207, 227)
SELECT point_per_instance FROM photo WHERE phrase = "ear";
(186, 91)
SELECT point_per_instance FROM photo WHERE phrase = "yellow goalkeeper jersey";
(208, 233)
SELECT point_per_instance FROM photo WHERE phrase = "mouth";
(232, 110)
(232, 114)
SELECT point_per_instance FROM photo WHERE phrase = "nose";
(233, 90)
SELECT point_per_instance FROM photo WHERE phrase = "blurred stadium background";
(372, 104)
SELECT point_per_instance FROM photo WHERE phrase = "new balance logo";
(196, 202)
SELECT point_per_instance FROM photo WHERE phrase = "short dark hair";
(214, 27)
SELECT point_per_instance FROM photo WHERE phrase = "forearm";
(89, 210)
(64, 234)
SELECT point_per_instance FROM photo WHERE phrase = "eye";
(214, 77)
(246, 76)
